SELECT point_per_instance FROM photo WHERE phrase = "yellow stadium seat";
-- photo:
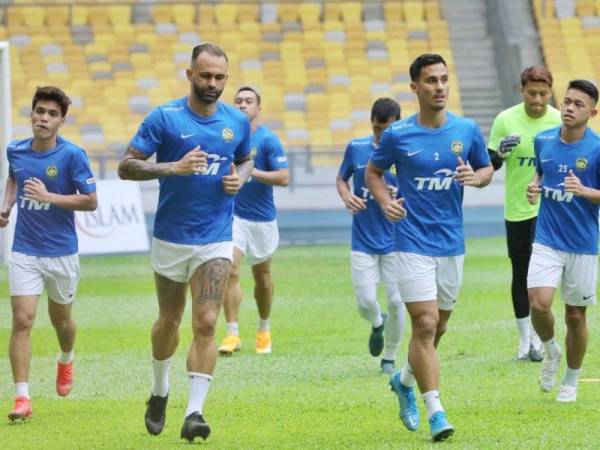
(287, 12)
(33, 16)
(119, 14)
(310, 13)
(226, 13)
(184, 14)
(352, 12)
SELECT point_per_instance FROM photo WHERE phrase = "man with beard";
(202, 160)
(436, 154)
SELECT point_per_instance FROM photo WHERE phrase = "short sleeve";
(275, 154)
(497, 134)
(383, 154)
(243, 150)
(150, 134)
(347, 167)
(478, 156)
(81, 173)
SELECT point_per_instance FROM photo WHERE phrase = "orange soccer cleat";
(64, 378)
(22, 409)
(263, 342)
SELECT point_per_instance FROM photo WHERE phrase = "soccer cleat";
(549, 371)
(64, 378)
(566, 394)
(263, 342)
(21, 410)
(376, 338)
(194, 426)
(155, 413)
(536, 354)
(229, 345)
(388, 366)
(409, 414)
(440, 428)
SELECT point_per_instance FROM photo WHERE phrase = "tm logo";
(557, 194)
(29, 203)
(442, 182)
(366, 194)
(523, 161)
(214, 164)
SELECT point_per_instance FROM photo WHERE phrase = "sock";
(22, 389)
(551, 348)
(198, 388)
(264, 324)
(395, 322)
(65, 358)
(432, 403)
(407, 377)
(523, 325)
(368, 308)
(232, 329)
(160, 377)
(571, 377)
(378, 321)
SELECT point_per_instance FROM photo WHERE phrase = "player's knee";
(22, 321)
(263, 279)
(169, 322)
(425, 327)
(575, 319)
(204, 327)
(537, 303)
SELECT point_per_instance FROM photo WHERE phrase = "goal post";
(5, 137)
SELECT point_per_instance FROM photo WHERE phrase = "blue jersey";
(426, 161)
(255, 200)
(194, 209)
(566, 222)
(43, 229)
(372, 233)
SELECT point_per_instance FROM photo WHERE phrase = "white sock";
(551, 348)
(571, 377)
(233, 329)
(65, 358)
(160, 377)
(264, 324)
(432, 403)
(368, 308)
(524, 326)
(407, 377)
(22, 389)
(198, 388)
(395, 322)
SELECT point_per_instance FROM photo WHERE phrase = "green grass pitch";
(319, 388)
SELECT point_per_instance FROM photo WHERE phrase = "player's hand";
(573, 184)
(195, 161)
(35, 189)
(507, 145)
(4, 215)
(465, 174)
(394, 210)
(533, 193)
(354, 203)
(232, 182)
(393, 190)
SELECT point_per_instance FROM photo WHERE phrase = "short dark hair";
(427, 59)
(384, 108)
(54, 94)
(211, 49)
(251, 89)
(537, 74)
(585, 86)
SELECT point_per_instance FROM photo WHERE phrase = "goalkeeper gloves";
(507, 145)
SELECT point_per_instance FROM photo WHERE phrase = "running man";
(202, 160)
(372, 259)
(511, 141)
(565, 250)
(48, 179)
(255, 232)
(436, 154)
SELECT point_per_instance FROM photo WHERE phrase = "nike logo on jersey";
(546, 160)
(358, 166)
(17, 170)
(185, 136)
(409, 154)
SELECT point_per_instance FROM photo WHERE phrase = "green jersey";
(520, 163)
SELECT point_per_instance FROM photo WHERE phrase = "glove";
(507, 144)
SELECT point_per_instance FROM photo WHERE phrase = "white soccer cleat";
(566, 393)
(549, 372)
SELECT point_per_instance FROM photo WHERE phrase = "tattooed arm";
(134, 165)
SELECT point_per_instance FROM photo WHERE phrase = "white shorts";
(28, 275)
(422, 278)
(256, 240)
(178, 262)
(577, 274)
(369, 269)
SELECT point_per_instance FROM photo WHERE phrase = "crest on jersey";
(581, 163)
(51, 172)
(457, 147)
(253, 152)
(227, 134)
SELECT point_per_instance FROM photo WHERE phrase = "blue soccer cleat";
(409, 414)
(441, 429)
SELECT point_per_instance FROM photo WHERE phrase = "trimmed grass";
(319, 388)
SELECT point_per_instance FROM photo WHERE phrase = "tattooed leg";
(208, 286)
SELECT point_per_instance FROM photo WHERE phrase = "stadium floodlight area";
(5, 134)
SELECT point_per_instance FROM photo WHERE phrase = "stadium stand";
(318, 65)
